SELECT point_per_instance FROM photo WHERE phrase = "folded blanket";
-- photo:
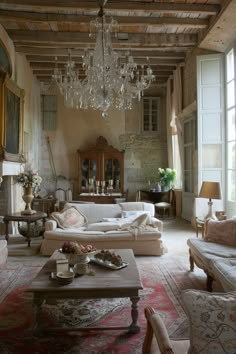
(134, 225)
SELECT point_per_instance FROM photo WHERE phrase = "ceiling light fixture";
(108, 82)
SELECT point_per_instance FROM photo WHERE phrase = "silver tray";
(108, 264)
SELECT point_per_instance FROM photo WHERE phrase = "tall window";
(151, 108)
(49, 111)
(231, 134)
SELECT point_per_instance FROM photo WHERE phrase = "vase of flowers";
(29, 180)
(167, 178)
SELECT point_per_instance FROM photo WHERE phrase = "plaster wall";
(23, 77)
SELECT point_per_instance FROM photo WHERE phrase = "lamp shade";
(210, 190)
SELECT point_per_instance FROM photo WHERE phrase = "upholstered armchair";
(212, 326)
(160, 342)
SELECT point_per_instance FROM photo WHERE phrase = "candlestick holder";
(103, 184)
(110, 186)
(97, 187)
(91, 186)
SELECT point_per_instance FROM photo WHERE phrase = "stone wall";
(143, 156)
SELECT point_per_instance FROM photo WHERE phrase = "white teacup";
(81, 268)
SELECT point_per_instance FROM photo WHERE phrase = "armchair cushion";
(69, 218)
(212, 318)
(223, 232)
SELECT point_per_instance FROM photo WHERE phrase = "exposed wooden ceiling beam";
(78, 57)
(134, 6)
(48, 79)
(61, 49)
(40, 72)
(41, 66)
(147, 39)
(22, 17)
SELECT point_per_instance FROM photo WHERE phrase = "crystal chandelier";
(108, 82)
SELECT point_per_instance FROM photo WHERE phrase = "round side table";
(28, 219)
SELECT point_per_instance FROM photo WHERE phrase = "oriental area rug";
(163, 280)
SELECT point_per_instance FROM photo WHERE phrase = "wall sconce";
(210, 190)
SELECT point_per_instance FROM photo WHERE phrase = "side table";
(200, 224)
(33, 218)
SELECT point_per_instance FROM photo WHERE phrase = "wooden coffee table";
(106, 283)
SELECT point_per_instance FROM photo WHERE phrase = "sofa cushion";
(225, 271)
(95, 212)
(105, 226)
(132, 214)
(131, 206)
(82, 235)
(212, 318)
(205, 251)
(69, 218)
(223, 232)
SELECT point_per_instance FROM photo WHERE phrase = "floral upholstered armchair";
(212, 326)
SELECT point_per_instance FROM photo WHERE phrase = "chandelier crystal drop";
(108, 81)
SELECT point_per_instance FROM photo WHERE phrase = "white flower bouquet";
(29, 178)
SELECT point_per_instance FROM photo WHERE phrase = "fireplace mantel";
(8, 168)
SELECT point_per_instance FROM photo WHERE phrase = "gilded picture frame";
(13, 112)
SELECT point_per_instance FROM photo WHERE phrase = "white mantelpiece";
(8, 168)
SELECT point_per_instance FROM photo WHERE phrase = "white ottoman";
(3, 252)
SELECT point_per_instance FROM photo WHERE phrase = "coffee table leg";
(134, 328)
(37, 303)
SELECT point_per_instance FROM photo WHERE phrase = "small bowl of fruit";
(76, 252)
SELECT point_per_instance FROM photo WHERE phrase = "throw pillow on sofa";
(223, 232)
(212, 318)
(69, 218)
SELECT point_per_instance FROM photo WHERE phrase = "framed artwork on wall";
(13, 104)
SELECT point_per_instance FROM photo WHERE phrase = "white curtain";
(175, 148)
(169, 117)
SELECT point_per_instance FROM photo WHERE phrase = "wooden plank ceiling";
(163, 30)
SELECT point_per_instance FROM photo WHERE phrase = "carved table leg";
(134, 328)
(38, 301)
(191, 261)
(28, 233)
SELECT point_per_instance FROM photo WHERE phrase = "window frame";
(150, 131)
(230, 204)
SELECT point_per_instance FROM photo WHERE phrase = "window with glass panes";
(231, 133)
(151, 107)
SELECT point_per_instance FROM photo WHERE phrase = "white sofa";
(141, 233)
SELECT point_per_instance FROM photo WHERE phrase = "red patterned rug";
(163, 279)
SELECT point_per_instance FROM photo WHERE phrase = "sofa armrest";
(50, 225)
(157, 223)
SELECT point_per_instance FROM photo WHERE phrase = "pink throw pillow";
(69, 218)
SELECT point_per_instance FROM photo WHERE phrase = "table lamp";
(210, 190)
